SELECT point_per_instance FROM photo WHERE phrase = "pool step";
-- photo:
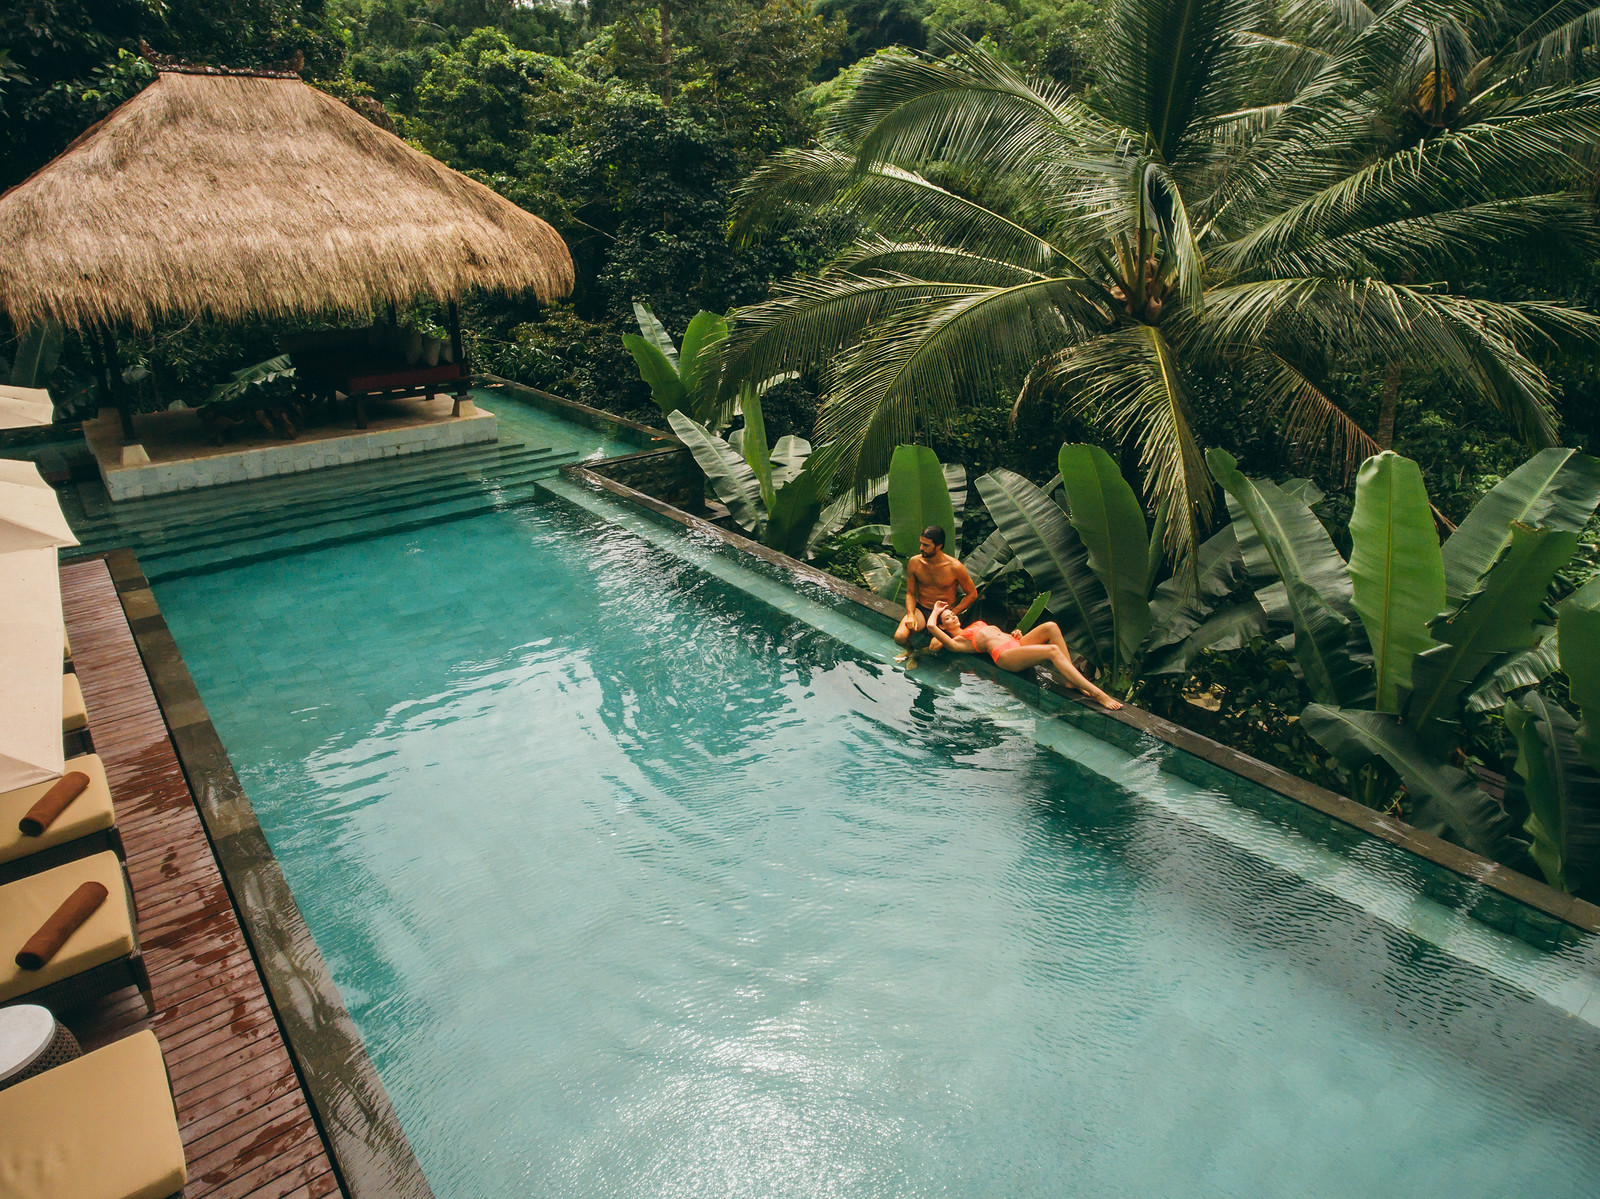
(240, 504)
(339, 523)
(199, 532)
(350, 503)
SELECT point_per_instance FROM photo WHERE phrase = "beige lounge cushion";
(66, 646)
(73, 714)
(90, 812)
(29, 902)
(100, 1127)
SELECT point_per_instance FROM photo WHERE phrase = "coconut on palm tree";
(1222, 198)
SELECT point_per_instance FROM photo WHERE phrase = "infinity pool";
(638, 885)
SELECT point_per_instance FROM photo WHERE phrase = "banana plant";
(774, 494)
(676, 378)
(1555, 778)
(1097, 561)
(1395, 643)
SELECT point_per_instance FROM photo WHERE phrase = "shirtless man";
(932, 576)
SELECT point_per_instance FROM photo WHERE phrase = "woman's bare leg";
(1048, 633)
(1021, 657)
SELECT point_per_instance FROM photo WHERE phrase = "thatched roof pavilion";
(226, 196)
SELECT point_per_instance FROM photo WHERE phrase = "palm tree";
(1223, 197)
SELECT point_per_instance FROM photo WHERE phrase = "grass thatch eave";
(236, 196)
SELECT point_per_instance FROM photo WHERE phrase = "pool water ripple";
(635, 885)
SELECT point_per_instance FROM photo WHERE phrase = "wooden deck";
(247, 1128)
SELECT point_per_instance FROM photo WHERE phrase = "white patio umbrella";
(30, 513)
(21, 407)
(30, 668)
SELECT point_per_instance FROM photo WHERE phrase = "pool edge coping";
(359, 1125)
(1515, 885)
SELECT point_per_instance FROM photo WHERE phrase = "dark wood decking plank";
(246, 1122)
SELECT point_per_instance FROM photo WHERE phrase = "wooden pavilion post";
(112, 388)
(458, 356)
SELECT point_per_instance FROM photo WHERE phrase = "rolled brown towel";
(68, 919)
(52, 803)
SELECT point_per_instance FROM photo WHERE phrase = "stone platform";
(177, 455)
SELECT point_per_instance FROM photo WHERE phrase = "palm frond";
(909, 371)
(1130, 381)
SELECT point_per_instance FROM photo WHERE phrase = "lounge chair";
(89, 824)
(100, 1127)
(100, 957)
(74, 718)
(74, 715)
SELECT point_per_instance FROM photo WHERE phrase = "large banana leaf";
(1496, 623)
(1579, 616)
(1231, 628)
(918, 498)
(789, 458)
(1110, 521)
(1038, 532)
(655, 333)
(1329, 642)
(885, 575)
(730, 476)
(989, 557)
(794, 513)
(955, 482)
(1445, 800)
(1527, 669)
(1555, 489)
(248, 376)
(753, 445)
(1396, 570)
(1562, 791)
(1177, 610)
(696, 359)
(655, 369)
(841, 511)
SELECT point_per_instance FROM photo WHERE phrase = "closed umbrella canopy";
(30, 513)
(24, 407)
(30, 668)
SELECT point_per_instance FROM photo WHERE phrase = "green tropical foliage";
(1221, 198)
(266, 371)
(1413, 656)
(773, 493)
(675, 378)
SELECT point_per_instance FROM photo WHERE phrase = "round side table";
(31, 1042)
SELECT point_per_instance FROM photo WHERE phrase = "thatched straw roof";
(228, 196)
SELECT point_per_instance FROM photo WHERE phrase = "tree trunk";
(664, 13)
(1391, 401)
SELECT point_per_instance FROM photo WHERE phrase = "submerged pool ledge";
(1134, 724)
(373, 1157)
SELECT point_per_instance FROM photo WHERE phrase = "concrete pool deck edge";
(1514, 885)
(369, 1148)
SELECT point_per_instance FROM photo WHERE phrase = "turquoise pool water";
(636, 885)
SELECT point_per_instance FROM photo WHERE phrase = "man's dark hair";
(934, 534)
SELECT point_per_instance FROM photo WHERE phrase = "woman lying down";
(1043, 644)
